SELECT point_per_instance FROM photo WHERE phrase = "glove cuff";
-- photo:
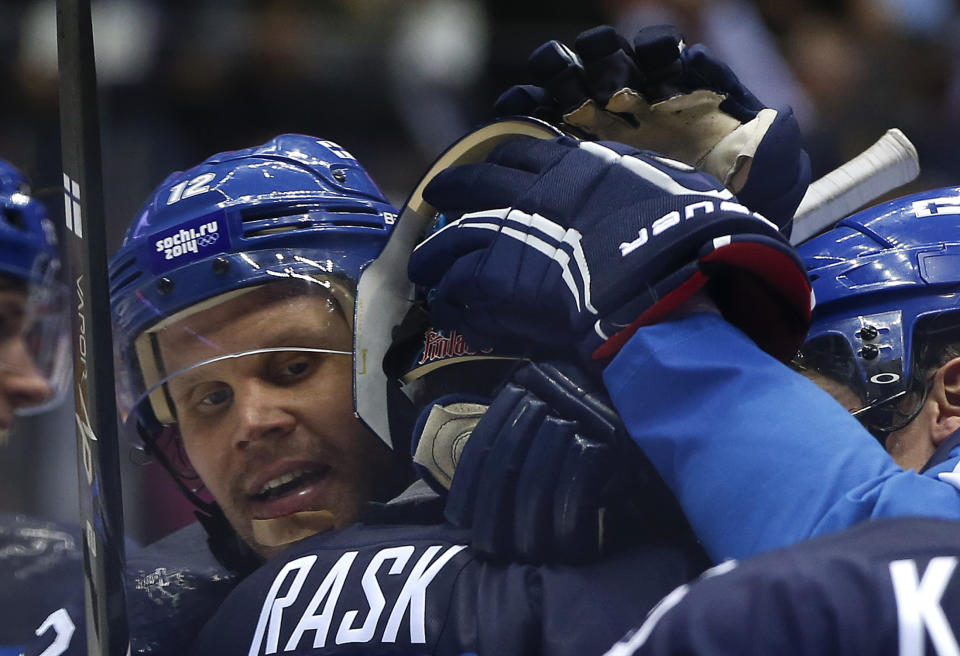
(439, 435)
(757, 281)
(678, 287)
(761, 286)
(730, 159)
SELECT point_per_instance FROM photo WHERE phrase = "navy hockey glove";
(545, 473)
(566, 244)
(660, 95)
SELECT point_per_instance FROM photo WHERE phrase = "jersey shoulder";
(173, 587)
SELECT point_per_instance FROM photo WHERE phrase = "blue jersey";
(890, 587)
(41, 586)
(758, 456)
(419, 589)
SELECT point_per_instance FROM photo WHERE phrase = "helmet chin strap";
(279, 531)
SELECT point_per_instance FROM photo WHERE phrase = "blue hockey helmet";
(296, 210)
(887, 283)
(27, 238)
(29, 261)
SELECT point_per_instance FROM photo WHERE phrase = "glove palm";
(660, 95)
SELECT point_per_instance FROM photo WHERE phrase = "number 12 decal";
(189, 188)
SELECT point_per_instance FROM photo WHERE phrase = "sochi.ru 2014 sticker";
(189, 242)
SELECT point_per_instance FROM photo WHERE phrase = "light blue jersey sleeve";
(758, 456)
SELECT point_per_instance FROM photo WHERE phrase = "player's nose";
(21, 383)
(264, 412)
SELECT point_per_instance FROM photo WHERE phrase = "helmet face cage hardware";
(34, 317)
(887, 283)
(293, 221)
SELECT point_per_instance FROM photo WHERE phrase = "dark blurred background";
(394, 81)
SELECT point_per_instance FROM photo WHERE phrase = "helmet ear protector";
(887, 282)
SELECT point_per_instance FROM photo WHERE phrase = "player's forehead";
(266, 317)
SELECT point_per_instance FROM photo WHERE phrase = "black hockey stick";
(100, 502)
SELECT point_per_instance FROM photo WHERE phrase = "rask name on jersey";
(305, 605)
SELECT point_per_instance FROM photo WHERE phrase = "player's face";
(21, 384)
(273, 434)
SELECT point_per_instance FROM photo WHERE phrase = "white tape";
(889, 163)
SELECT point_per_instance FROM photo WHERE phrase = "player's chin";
(318, 514)
(264, 552)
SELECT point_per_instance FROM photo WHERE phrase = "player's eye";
(292, 368)
(217, 397)
(204, 399)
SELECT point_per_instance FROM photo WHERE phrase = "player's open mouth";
(289, 483)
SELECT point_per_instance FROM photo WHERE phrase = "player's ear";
(946, 393)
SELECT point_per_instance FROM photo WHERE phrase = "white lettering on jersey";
(410, 601)
(371, 588)
(329, 589)
(273, 605)
(63, 626)
(413, 596)
(918, 606)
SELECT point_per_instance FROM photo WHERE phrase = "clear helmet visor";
(35, 362)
